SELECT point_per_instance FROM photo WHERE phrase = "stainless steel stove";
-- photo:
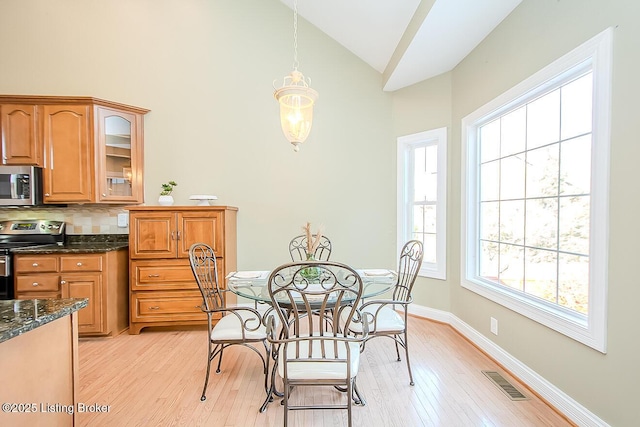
(19, 234)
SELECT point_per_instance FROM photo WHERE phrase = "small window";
(422, 214)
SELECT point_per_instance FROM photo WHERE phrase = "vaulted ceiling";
(408, 41)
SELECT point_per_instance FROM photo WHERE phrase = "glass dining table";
(253, 284)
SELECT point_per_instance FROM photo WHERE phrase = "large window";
(422, 214)
(536, 195)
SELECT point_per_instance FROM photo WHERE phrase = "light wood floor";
(155, 379)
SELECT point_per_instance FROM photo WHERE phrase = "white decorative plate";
(377, 272)
(203, 199)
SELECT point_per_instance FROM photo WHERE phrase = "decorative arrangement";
(295, 97)
(166, 199)
(203, 199)
(313, 241)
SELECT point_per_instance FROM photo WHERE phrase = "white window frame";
(590, 329)
(406, 147)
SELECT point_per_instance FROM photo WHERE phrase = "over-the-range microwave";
(20, 186)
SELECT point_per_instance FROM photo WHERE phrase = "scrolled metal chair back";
(205, 269)
(298, 248)
(408, 268)
(310, 297)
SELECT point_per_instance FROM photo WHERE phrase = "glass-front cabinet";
(120, 156)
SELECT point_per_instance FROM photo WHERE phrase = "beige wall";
(420, 107)
(535, 34)
(205, 69)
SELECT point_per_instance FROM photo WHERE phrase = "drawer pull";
(154, 275)
(79, 264)
(154, 307)
(35, 284)
(35, 264)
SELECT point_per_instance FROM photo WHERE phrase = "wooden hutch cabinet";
(100, 277)
(91, 149)
(163, 291)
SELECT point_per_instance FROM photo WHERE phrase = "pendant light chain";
(295, 97)
(295, 35)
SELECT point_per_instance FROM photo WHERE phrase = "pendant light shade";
(296, 101)
(295, 97)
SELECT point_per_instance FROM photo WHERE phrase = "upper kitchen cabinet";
(21, 144)
(68, 174)
(91, 149)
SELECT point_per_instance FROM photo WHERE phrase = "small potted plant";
(166, 199)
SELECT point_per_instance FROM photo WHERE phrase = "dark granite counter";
(20, 316)
(87, 244)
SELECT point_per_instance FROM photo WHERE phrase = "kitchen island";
(39, 352)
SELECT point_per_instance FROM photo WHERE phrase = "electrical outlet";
(494, 326)
(123, 220)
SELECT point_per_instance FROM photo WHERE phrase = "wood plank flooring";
(155, 379)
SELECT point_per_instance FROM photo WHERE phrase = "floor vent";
(509, 389)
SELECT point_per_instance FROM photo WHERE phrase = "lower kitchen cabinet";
(100, 277)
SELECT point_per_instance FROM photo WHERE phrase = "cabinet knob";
(35, 264)
(63, 282)
(104, 195)
(35, 284)
(47, 194)
(79, 264)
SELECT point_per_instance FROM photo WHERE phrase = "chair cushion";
(229, 327)
(387, 320)
(319, 369)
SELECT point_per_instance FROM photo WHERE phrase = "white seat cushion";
(386, 320)
(319, 369)
(230, 328)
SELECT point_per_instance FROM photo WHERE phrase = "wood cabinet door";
(92, 317)
(200, 227)
(69, 171)
(20, 142)
(119, 156)
(152, 235)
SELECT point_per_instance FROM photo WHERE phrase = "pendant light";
(295, 97)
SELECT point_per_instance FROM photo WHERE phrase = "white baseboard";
(556, 397)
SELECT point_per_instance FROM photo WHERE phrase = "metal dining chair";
(298, 248)
(235, 325)
(310, 350)
(384, 319)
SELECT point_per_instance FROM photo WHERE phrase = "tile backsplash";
(79, 219)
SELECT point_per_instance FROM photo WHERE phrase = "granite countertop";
(20, 316)
(90, 243)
